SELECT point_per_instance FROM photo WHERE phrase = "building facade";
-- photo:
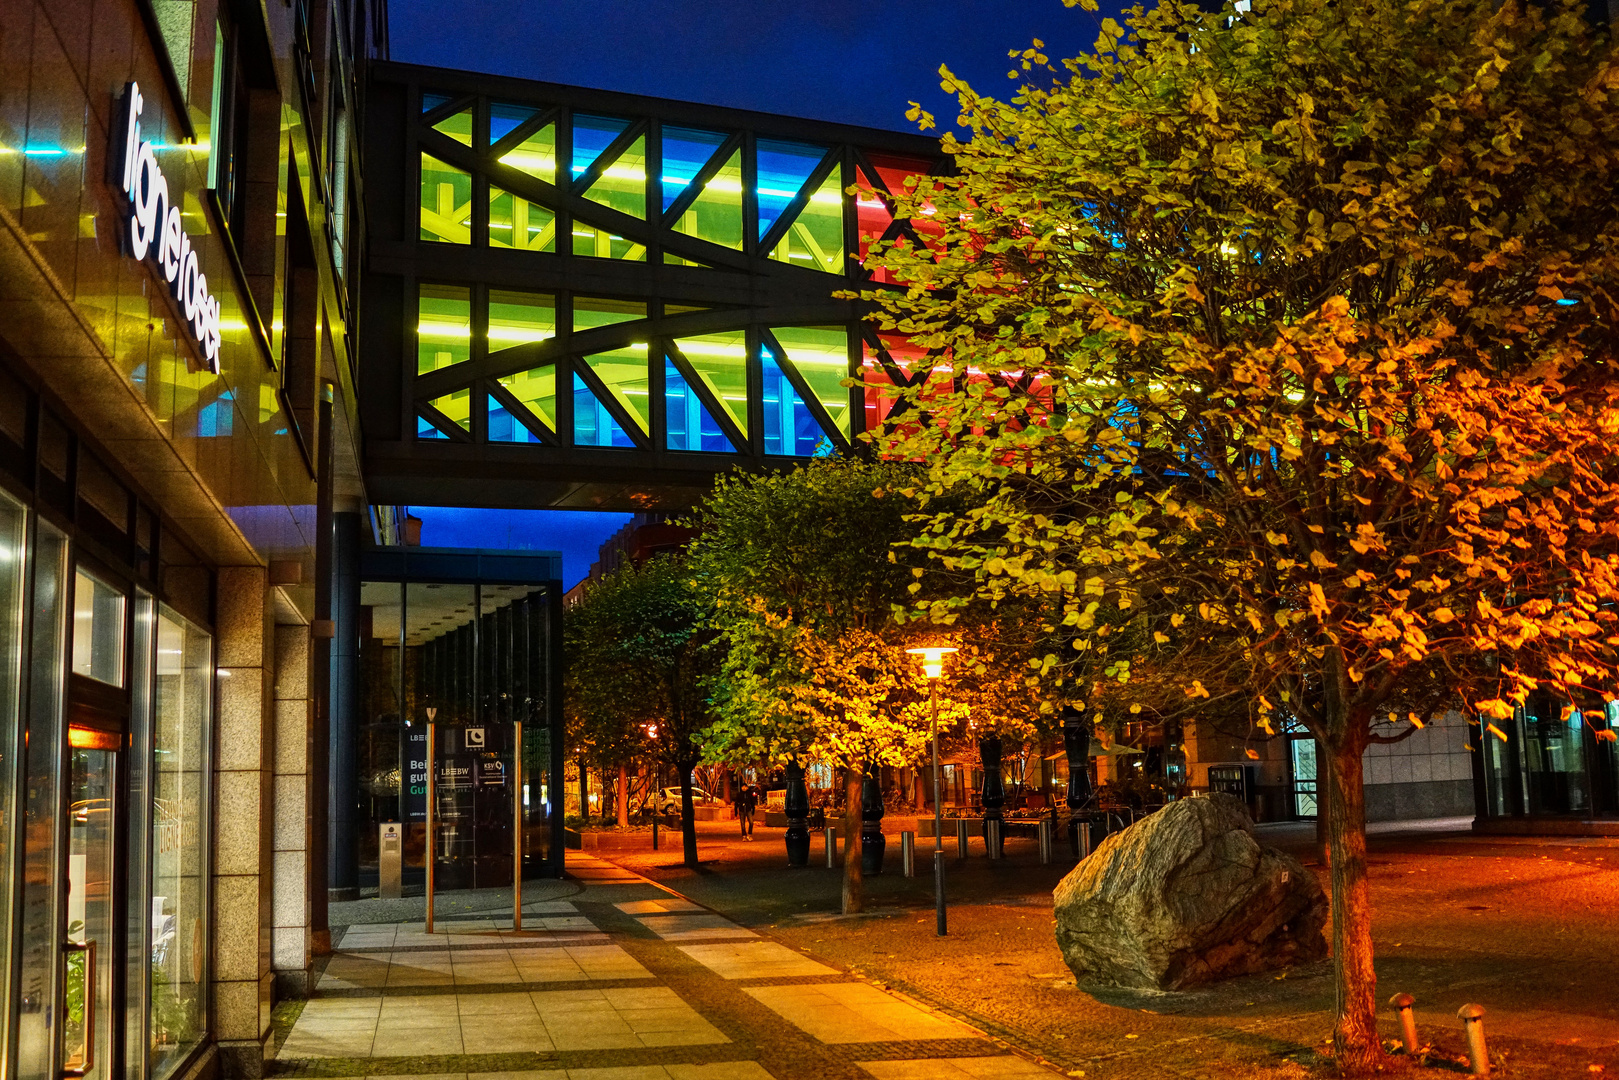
(180, 204)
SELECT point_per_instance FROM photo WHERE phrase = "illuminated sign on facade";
(155, 230)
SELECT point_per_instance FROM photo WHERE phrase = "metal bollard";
(994, 837)
(654, 834)
(961, 838)
(1408, 1022)
(907, 853)
(831, 847)
(1472, 1018)
(1045, 842)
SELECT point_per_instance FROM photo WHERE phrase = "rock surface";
(1187, 896)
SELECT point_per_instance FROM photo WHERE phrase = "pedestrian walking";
(746, 800)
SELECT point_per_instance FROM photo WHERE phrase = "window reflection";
(98, 630)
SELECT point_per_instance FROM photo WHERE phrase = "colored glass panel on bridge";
(622, 184)
(536, 390)
(790, 429)
(715, 215)
(457, 126)
(783, 170)
(446, 202)
(443, 327)
(685, 152)
(815, 238)
(821, 356)
(624, 375)
(456, 406)
(720, 362)
(688, 423)
(505, 118)
(536, 155)
(514, 222)
(504, 427)
(592, 135)
(520, 318)
(591, 312)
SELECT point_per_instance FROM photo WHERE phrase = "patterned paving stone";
(754, 960)
(694, 927)
(854, 1013)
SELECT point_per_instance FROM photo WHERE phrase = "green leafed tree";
(1279, 344)
(640, 671)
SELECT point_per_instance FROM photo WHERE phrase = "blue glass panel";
(504, 427)
(783, 169)
(214, 418)
(685, 152)
(592, 135)
(431, 100)
(426, 430)
(691, 426)
(503, 119)
(790, 429)
(593, 425)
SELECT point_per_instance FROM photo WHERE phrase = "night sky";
(840, 60)
(853, 61)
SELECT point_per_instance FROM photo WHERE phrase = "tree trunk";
(1354, 1037)
(688, 816)
(623, 799)
(854, 898)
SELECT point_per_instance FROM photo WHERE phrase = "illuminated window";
(518, 318)
(784, 168)
(790, 429)
(536, 155)
(622, 184)
(514, 222)
(605, 244)
(720, 362)
(882, 396)
(815, 238)
(623, 375)
(534, 389)
(446, 202)
(590, 312)
(685, 152)
(505, 119)
(98, 630)
(715, 214)
(872, 217)
(457, 407)
(821, 356)
(457, 126)
(687, 421)
(443, 327)
(592, 135)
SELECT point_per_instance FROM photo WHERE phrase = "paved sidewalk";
(622, 980)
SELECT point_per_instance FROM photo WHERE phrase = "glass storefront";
(471, 658)
(106, 712)
(1553, 762)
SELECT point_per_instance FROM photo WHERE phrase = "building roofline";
(458, 80)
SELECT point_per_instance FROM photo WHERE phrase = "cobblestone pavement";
(619, 979)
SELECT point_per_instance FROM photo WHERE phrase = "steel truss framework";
(579, 298)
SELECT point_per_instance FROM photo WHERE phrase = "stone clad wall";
(1427, 775)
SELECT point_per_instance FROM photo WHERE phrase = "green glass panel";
(605, 244)
(815, 238)
(624, 373)
(671, 259)
(821, 355)
(443, 327)
(536, 389)
(622, 185)
(457, 127)
(505, 118)
(518, 318)
(716, 214)
(457, 406)
(446, 202)
(514, 222)
(720, 362)
(536, 155)
(590, 312)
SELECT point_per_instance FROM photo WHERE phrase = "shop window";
(1554, 760)
(178, 897)
(815, 238)
(446, 202)
(443, 327)
(98, 630)
(13, 535)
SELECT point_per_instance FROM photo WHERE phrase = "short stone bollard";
(1472, 1018)
(961, 838)
(907, 853)
(1408, 1021)
(831, 847)
(1045, 841)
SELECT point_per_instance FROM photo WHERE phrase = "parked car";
(667, 801)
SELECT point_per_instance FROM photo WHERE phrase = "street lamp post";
(933, 669)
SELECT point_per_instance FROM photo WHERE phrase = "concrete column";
(291, 945)
(343, 862)
(242, 818)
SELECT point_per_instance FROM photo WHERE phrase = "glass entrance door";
(1302, 759)
(88, 950)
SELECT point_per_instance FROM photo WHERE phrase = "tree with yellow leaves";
(1279, 344)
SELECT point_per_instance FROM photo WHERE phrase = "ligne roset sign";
(155, 228)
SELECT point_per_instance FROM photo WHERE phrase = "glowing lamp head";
(932, 659)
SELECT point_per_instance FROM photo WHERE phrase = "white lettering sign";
(155, 231)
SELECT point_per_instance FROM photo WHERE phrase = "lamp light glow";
(932, 659)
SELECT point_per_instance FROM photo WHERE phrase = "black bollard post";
(1076, 740)
(993, 795)
(796, 803)
(872, 841)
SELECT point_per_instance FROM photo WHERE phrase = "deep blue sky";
(576, 533)
(853, 61)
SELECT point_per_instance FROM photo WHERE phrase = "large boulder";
(1187, 896)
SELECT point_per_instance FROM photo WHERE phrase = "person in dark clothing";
(746, 800)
